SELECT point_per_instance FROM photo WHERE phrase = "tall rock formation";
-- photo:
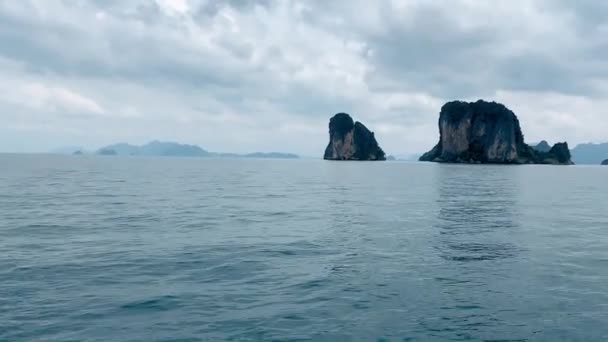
(558, 154)
(487, 132)
(350, 140)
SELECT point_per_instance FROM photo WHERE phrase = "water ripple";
(131, 249)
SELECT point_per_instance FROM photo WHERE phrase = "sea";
(109, 248)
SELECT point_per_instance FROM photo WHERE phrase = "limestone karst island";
(487, 132)
(469, 132)
(349, 140)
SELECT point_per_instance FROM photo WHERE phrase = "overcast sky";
(266, 75)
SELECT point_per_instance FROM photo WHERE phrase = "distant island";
(155, 148)
(589, 153)
(542, 146)
(592, 154)
(349, 140)
(605, 162)
(487, 132)
(173, 149)
(107, 152)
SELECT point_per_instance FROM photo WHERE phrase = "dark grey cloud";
(439, 50)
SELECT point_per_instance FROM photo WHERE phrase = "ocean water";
(172, 249)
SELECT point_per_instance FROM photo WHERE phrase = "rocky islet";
(350, 140)
(487, 132)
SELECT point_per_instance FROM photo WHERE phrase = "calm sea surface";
(172, 249)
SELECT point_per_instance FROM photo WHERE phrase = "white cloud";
(174, 6)
(557, 117)
(41, 96)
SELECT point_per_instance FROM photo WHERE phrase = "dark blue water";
(144, 249)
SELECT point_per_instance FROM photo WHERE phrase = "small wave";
(466, 252)
(163, 303)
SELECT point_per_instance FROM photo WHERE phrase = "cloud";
(41, 96)
(558, 116)
(174, 6)
(220, 73)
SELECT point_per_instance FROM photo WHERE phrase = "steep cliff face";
(558, 154)
(486, 132)
(349, 140)
(476, 132)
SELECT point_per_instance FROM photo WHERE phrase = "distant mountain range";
(582, 154)
(590, 153)
(542, 146)
(173, 149)
(154, 148)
